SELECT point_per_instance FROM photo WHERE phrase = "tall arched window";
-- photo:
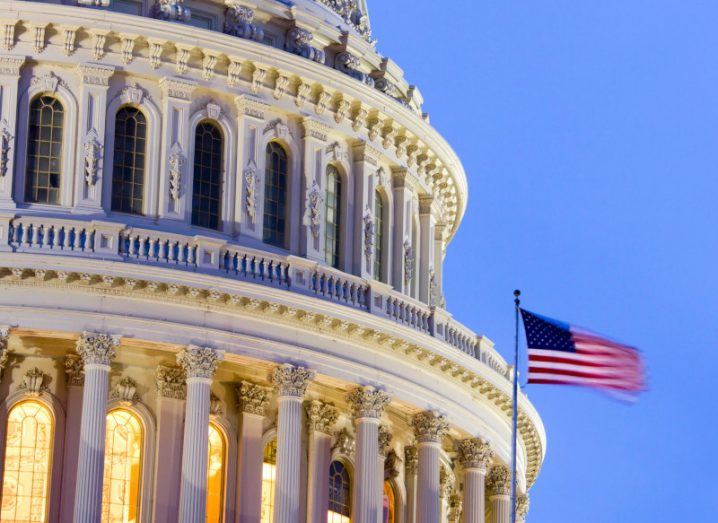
(389, 510)
(333, 215)
(215, 474)
(123, 466)
(340, 507)
(44, 150)
(378, 236)
(269, 477)
(207, 180)
(28, 457)
(128, 167)
(275, 196)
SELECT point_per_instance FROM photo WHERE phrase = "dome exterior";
(222, 229)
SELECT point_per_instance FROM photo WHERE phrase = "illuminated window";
(28, 456)
(207, 181)
(128, 167)
(275, 196)
(389, 504)
(123, 467)
(333, 202)
(378, 236)
(215, 474)
(269, 477)
(44, 150)
(340, 507)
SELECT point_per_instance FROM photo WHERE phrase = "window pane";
(333, 217)
(340, 509)
(275, 196)
(207, 181)
(44, 146)
(215, 474)
(269, 476)
(28, 455)
(128, 169)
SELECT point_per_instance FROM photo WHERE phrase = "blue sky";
(589, 132)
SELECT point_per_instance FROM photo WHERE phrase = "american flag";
(564, 354)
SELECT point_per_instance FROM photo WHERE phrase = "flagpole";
(515, 408)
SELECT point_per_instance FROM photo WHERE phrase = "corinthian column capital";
(97, 349)
(411, 460)
(368, 402)
(385, 438)
(252, 398)
(475, 453)
(170, 382)
(199, 362)
(291, 381)
(499, 481)
(429, 427)
(320, 416)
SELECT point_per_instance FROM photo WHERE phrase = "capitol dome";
(222, 228)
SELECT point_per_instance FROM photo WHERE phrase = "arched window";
(333, 215)
(275, 196)
(28, 456)
(378, 236)
(44, 150)
(128, 167)
(269, 477)
(340, 507)
(216, 474)
(389, 510)
(207, 180)
(123, 466)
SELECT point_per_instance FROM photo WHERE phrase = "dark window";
(44, 151)
(128, 168)
(378, 236)
(207, 181)
(339, 492)
(275, 196)
(333, 199)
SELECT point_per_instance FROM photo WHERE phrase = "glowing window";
(275, 196)
(207, 181)
(28, 458)
(215, 474)
(44, 150)
(128, 169)
(378, 236)
(333, 216)
(123, 467)
(340, 508)
(389, 512)
(269, 477)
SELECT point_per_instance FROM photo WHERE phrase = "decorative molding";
(279, 130)
(368, 402)
(250, 106)
(446, 482)
(234, 71)
(523, 504)
(321, 416)
(291, 381)
(132, 94)
(344, 443)
(175, 164)
(369, 233)
(127, 47)
(498, 481)
(170, 382)
(348, 64)
(6, 139)
(97, 348)
(8, 33)
(213, 111)
(408, 261)
(38, 30)
(178, 88)
(298, 42)
(360, 119)
(99, 38)
(155, 52)
(70, 33)
(74, 370)
(313, 218)
(324, 99)
(429, 427)
(252, 398)
(385, 437)
(215, 405)
(303, 91)
(95, 74)
(238, 20)
(250, 190)
(33, 382)
(343, 110)
(47, 82)
(172, 10)
(281, 84)
(92, 151)
(10, 65)
(456, 508)
(258, 76)
(199, 362)
(411, 460)
(125, 391)
(209, 62)
(474, 453)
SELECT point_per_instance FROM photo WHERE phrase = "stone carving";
(375, 130)
(175, 162)
(199, 362)
(368, 402)
(369, 233)
(128, 46)
(392, 465)
(385, 438)
(429, 427)
(411, 460)
(338, 153)
(93, 152)
(252, 398)
(345, 443)
(170, 382)
(298, 43)
(434, 298)
(321, 416)
(280, 87)
(234, 72)
(6, 139)
(278, 127)
(455, 508)
(342, 111)
(97, 349)
(238, 22)
(132, 94)
(209, 62)
(408, 261)
(215, 405)
(291, 381)
(258, 76)
(74, 370)
(498, 481)
(173, 10)
(474, 453)
(360, 119)
(4, 350)
(125, 391)
(315, 198)
(303, 91)
(155, 52)
(348, 64)
(522, 506)
(99, 37)
(446, 482)
(352, 14)
(323, 102)
(48, 82)
(33, 382)
(213, 110)
(70, 39)
(250, 190)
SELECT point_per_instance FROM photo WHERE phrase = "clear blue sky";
(589, 132)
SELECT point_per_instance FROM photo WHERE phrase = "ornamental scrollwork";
(298, 40)
(125, 391)
(172, 10)
(6, 139)
(499, 481)
(369, 233)
(475, 453)
(170, 382)
(92, 149)
(238, 22)
(446, 482)
(314, 208)
(408, 261)
(411, 460)
(97, 349)
(522, 506)
(132, 94)
(252, 398)
(291, 381)
(345, 443)
(321, 416)
(33, 382)
(74, 370)
(430, 427)
(455, 508)
(385, 437)
(199, 362)
(250, 190)
(175, 162)
(368, 402)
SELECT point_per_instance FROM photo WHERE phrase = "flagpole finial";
(517, 301)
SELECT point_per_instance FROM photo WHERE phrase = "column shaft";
(410, 483)
(320, 450)
(168, 475)
(474, 506)
(71, 449)
(500, 508)
(249, 484)
(287, 486)
(428, 507)
(365, 503)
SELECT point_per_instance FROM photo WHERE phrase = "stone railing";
(116, 241)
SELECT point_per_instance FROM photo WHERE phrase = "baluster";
(181, 255)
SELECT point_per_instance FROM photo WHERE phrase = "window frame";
(339, 213)
(285, 244)
(224, 166)
(145, 171)
(350, 478)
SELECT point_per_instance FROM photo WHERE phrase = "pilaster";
(9, 77)
(75, 378)
(365, 168)
(411, 467)
(402, 229)
(426, 248)
(314, 169)
(321, 418)
(436, 276)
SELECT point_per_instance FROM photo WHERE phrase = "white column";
(474, 456)
(291, 383)
(97, 352)
(313, 190)
(522, 507)
(429, 428)
(384, 447)
(321, 418)
(200, 364)
(365, 168)
(499, 485)
(436, 289)
(367, 405)
(425, 272)
(401, 230)
(253, 400)
(171, 395)
(9, 76)
(411, 464)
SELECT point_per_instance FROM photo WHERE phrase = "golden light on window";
(28, 458)
(123, 467)
(340, 509)
(215, 474)
(269, 477)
